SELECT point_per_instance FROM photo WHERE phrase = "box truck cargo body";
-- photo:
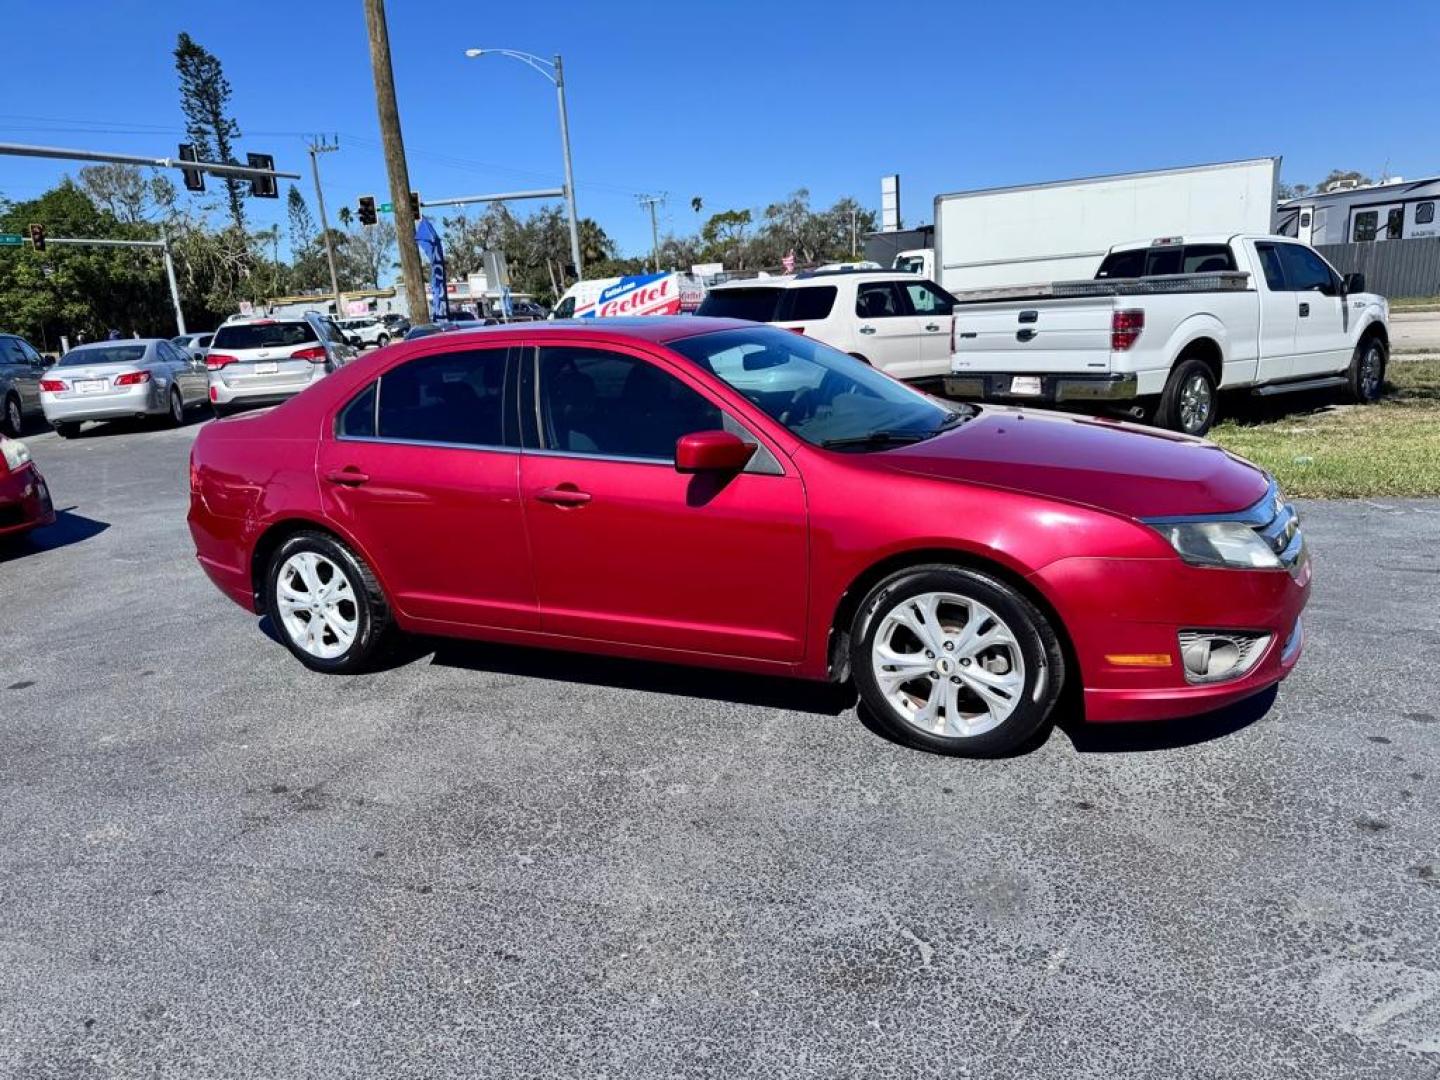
(1061, 230)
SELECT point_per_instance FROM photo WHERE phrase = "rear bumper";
(998, 386)
(225, 391)
(145, 399)
(24, 501)
(220, 547)
(1117, 609)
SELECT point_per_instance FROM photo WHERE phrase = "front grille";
(1278, 525)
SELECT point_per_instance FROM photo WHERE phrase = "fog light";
(1220, 655)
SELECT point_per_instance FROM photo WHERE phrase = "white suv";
(899, 323)
(370, 330)
(254, 361)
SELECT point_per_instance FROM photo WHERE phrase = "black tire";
(176, 416)
(1177, 409)
(220, 411)
(67, 429)
(1039, 646)
(372, 612)
(1367, 371)
(862, 359)
(382, 341)
(14, 419)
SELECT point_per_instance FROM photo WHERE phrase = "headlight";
(1219, 543)
(16, 453)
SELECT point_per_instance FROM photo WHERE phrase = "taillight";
(796, 330)
(54, 386)
(1125, 327)
(315, 355)
(214, 394)
(216, 361)
(132, 378)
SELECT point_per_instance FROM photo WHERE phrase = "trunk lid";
(1040, 336)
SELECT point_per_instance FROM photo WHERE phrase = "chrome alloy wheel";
(948, 665)
(1370, 367)
(317, 605)
(1196, 401)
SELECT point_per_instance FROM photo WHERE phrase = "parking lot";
(487, 861)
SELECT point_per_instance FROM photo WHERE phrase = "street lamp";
(555, 72)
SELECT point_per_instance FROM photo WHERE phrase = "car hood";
(1123, 468)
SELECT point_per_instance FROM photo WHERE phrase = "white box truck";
(1061, 231)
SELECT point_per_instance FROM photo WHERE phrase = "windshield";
(104, 354)
(270, 335)
(817, 392)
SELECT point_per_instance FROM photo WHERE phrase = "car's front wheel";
(326, 604)
(382, 341)
(955, 661)
(14, 418)
(1366, 377)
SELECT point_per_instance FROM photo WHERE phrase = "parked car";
(24, 497)
(720, 493)
(20, 370)
(444, 326)
(396, 323)
(114, 380)
(896, 322)
(194, 344)
(366, 331)
(262, 361)
(1169, 323)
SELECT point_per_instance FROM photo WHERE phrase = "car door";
(889, 332)
(1278, 311)
(26, 366)
(1322, 346)
(180, 368)
(422, 468)
(628, 550)
(932, 308)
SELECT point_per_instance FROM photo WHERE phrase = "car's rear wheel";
(67, 429)
(955, 661)
(1188, 403)
(1367, 371)
(326, 604)
(14, 417)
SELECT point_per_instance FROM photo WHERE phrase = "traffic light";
(194, 178)
(367, 210)
(37, 237)
(415, 204)
(262, 187)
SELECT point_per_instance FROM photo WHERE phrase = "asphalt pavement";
(491, 862)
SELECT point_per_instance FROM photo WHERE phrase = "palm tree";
(696, 203)
(346, 216)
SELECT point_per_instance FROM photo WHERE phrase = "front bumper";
(999, 386)
(144, 399)
(24, 501)
(1126, 608)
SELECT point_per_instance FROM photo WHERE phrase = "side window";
(1425, 213)
(454, 397)
(607, 404)
(813, 302)
(1305, 219)
(10, 351)
(878, 300)
(333, 332)
(926, 300)
(1366, 225)
(566, 308)
(1270, 263)
(1208, 259)
(28, 352)
(204, 342)
(358, 419)
(1305, 271)
(1395, 223)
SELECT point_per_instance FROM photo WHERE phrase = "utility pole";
(569, 172)
(653, 201)
(317, 147)
(395, 166)
(854, 241)
(170, 277)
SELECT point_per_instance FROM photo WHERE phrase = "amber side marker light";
(1144, 659)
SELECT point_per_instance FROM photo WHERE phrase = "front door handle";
(563, 495)
(932, 327)
(1304, 311)
(347, 477)
(867, 329)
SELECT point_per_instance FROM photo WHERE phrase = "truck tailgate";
(1066, 335)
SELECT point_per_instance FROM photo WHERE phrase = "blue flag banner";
(433, 252)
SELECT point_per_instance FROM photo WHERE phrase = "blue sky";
(742, 102)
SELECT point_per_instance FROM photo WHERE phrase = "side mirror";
(1354, 283)
(711, 451)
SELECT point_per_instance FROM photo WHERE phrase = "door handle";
(347, 477)
(1024, 335)
(563, 495)
(867, 329)
(932, 327)
(1304, 310)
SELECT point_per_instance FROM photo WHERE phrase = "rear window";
(104, 354)
(276, 335)
(1169, 259)
(757, 305)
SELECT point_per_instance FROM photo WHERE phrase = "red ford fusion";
(720, 493)
(24, 499)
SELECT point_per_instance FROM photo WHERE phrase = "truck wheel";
(1367, 371)
(1188, 403)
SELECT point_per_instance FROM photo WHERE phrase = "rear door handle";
(867, 329)
(563, 495)
(1304, 310)
(347, 477)
(1024, 335)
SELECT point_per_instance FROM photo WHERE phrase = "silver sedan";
(113, 380)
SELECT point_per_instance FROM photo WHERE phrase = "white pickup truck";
(1167, 324)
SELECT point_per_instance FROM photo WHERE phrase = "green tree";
(302, 225)
(346, 215)
(205, 100)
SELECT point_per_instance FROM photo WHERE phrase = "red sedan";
(721, 493)
(24, 498)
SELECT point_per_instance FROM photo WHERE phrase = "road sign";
(11, 240)
(387, 208)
